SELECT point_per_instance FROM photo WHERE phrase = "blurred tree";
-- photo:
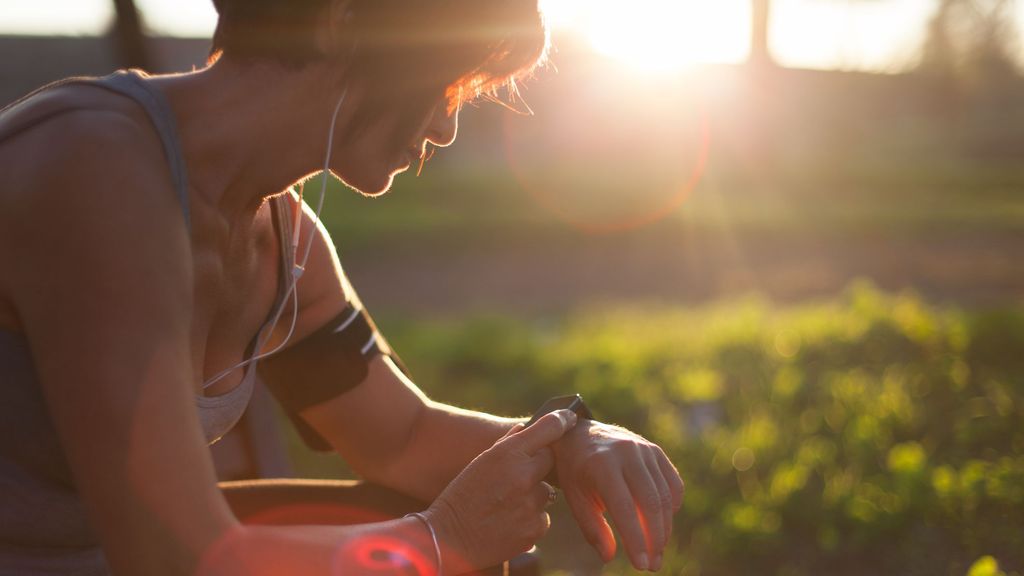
(938, 55)
(760, 53)
(130, 42)
(971, 40)
(990, 56)
(759, 141)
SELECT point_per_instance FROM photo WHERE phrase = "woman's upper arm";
(103, 293)
(370, 424)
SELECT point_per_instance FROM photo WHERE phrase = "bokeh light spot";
(743, 459)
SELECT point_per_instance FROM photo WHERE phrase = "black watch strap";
(572, 402)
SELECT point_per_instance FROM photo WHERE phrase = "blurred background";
(783, 239)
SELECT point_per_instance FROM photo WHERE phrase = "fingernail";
(569, 416)
(641, 563)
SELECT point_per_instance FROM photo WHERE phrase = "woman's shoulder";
(70, 116)
(81, 169)
(71, 139)
(99, 155)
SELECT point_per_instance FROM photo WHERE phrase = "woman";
(149, 262)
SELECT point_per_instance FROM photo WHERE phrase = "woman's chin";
(372, 179)
(371, 186)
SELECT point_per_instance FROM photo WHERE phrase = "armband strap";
(323, 366)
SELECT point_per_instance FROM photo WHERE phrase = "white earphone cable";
(297, 268)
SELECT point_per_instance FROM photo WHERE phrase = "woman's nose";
(444, 126)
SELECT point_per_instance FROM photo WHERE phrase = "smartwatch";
(572, 402)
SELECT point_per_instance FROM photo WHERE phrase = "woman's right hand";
(494, 510)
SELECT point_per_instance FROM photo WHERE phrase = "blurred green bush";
(872, 435)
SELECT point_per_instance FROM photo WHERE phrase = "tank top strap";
(34, 108)
(130, 84)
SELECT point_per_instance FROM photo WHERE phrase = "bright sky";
(876, 34)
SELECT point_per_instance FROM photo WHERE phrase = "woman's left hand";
(608, 468)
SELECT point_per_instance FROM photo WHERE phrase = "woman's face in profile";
(391, 145)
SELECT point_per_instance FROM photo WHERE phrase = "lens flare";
(382, 555)
(627, 153)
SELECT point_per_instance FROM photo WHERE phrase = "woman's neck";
(249, 131)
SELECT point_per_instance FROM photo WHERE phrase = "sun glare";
(660, 35)
(877, 36)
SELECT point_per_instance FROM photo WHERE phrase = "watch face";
(573, 402)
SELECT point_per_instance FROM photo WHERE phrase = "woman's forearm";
(382, 548)
(444, 440)
(492, 511)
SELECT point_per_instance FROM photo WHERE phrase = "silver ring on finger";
(552, 493)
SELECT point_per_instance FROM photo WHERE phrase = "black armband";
(323, 366)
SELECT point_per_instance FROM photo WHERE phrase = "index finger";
(543, 432)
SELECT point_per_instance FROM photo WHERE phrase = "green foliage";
(985, 566)
(873, 434)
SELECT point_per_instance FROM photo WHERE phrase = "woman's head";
(475, 45)
(405, 56)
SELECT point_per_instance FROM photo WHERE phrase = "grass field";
(479, 242)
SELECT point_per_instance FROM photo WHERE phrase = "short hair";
(467, 48)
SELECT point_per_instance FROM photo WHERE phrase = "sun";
(659, 35)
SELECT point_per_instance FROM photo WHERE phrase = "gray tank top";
(43, 526)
